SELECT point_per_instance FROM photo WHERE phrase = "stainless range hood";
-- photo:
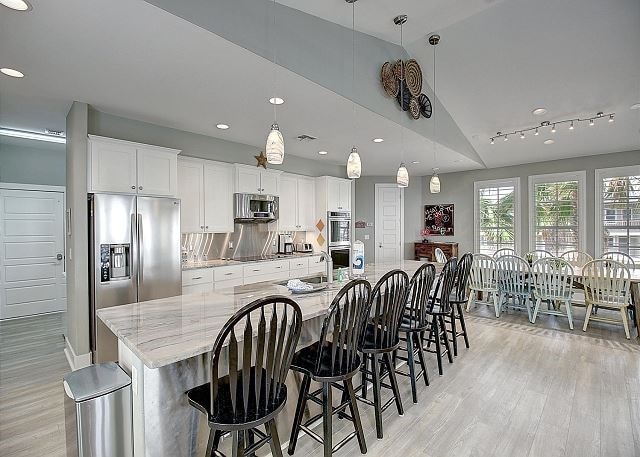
(255, 208)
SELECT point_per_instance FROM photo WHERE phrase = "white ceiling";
(572, 57)
(152, 66)
(375, 17)
(497, 61)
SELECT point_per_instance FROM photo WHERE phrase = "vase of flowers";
(424, 233)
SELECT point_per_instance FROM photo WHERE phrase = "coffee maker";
(285, 243)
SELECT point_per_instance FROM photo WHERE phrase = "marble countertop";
(192, 265)
(164, 331)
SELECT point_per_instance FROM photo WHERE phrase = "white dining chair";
(606, 285)
(576, 258)
(553, 283)
(514, 282)
(504, 251)
(482, 279)
(440, 256)
(621, 257)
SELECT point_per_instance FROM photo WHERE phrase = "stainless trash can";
(98, 417)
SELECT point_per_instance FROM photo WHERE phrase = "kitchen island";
(164, 345)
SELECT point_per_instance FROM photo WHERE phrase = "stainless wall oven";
(339, 228)
(341, 256)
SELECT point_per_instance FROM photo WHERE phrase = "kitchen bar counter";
(164, 331)
(165, 347)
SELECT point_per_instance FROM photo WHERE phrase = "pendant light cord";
(401, 96)
(275, 66)
(353, 67)
(435, 118)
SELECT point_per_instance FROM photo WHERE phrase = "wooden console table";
(427, 250)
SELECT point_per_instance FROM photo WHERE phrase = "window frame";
(477, 186)
(600, 174)
(581, 177)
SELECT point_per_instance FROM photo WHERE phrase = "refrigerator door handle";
(140, 253)
(134, 250)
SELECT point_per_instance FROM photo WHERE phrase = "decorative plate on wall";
(389, 82)
(398, 69)
(404, 97)
(425, 106)
(414, 108)
(413, 77)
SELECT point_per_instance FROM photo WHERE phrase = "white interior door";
(32, 276)
(389, 227)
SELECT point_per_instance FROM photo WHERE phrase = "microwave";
(255, 208)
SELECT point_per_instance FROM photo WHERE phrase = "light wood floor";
(521, 390)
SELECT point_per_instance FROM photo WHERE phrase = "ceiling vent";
(306, 138)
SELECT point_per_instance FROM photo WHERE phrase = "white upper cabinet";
(252, 180)
(112, 167)
(124, 167)
(218, 197)
(288, 220)
(306, 204)
(191, 195)
(205, 189)
(157, 173)
(297, 203)
(338, 193)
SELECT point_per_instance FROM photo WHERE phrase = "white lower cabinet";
(299, 268)
(275, 270)
(197, 281)
(317, 264)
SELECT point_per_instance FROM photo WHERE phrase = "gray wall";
(365, 203)
(202, 146)
(78, 242)
(457, 188)
(32, 162)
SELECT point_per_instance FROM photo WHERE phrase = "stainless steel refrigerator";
(134, 256)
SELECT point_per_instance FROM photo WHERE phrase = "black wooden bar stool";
(459, 297)
(247, 388)
(439, 307)
(333, 360)
(414, 323)
(381, 339)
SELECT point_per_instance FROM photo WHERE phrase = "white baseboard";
(75, 361)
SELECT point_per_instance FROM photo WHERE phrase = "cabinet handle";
(140, 187)
(228, 274)
(133, 187)
(256, 270)
(197, 277)
(207, 227)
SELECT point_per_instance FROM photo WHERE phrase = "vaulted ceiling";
(182, 68)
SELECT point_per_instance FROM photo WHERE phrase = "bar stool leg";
(463, 325)
(376, 395)
(365, 377)
(394, 383)
(274, 443)
(436, 331)
(454, 331)
(353, 406)
(327, 413)
(297, 418)
(213, 442)
(238, 443)
(418, 343)
(412, 366)
(445, 339)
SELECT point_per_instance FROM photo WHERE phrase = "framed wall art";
(438, 219)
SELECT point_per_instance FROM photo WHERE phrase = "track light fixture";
(552, 127)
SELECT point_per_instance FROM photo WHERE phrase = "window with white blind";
(497, 215)
(618, 210)
(556, 212)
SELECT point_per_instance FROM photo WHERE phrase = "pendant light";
(434, 183)
(402, 176)
(275, 142)
(354, 165)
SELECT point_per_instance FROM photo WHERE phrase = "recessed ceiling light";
(11, 72)
(415, 162)
(635, 106)
(222, 126)
(18, 5)
(378, 140)
(323, 153)
(539, 111)
(276, 101)
(549, 141)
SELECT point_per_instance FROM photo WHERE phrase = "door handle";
(59, 257)
(140, 249)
